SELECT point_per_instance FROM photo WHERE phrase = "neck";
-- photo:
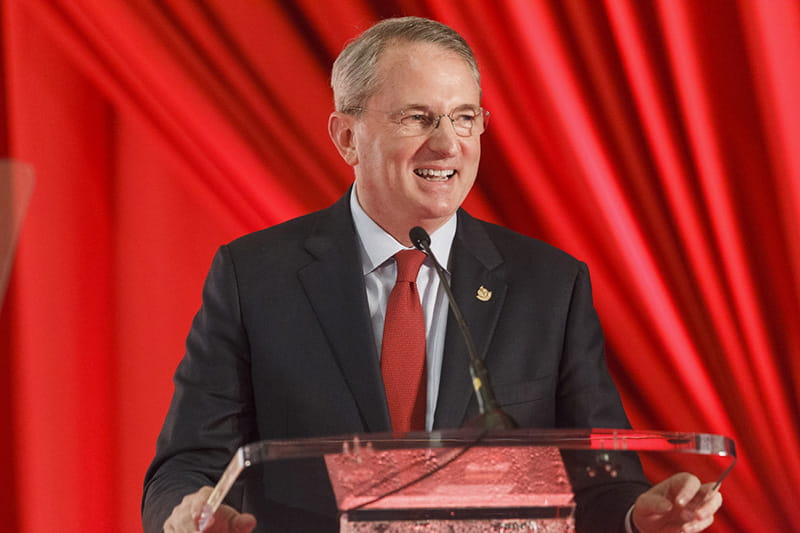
(400, 230)
(398, 227)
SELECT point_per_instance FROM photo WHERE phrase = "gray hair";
(354, 76)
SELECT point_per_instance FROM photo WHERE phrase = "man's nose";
(443, 139)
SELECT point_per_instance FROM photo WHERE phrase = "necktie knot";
(408, 264)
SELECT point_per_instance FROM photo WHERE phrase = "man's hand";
(679, 504)
(184, 516)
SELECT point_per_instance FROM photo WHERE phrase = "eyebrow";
(415, 106)
(426, 107)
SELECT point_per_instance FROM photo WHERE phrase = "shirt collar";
(377, 246)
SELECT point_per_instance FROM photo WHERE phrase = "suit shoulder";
(294, 243)
(516, 246)
(279, 236)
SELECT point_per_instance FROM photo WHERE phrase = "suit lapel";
(475, 263)
(335, 287)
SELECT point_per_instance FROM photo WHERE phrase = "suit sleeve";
(588, 398)
(211, 413)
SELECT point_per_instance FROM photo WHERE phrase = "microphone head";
(419, 238)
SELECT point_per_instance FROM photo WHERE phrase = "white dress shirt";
(380, 273)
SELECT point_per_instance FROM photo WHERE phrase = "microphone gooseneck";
(491, 417)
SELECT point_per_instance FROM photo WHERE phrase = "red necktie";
(403, 347)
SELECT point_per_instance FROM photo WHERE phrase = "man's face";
(395, 180)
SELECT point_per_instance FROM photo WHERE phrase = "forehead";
(424, 73)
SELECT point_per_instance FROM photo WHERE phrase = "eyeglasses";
(412, 122)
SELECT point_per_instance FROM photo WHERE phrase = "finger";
(243, 523)
(230, 520)
(654, 503)
(705, 504)
(683, 488)
(650, 510)
(198, 500)
(697, 525)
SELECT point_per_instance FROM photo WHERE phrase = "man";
(292, 333)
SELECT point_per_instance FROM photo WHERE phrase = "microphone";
(491, 416)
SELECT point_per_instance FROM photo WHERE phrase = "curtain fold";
(655, 140)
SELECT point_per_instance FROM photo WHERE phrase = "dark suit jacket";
(282, 347)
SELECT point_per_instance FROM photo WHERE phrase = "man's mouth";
(431, 174)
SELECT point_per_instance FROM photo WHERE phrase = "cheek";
(473, 150)
(386, 155)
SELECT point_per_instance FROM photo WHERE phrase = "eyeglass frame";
(436, 119)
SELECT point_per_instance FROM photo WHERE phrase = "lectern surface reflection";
(480, 488)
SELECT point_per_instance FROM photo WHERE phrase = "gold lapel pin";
(484, 294)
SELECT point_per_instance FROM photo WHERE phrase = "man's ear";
(340, 128)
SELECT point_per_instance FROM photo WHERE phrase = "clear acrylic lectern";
(468, 480)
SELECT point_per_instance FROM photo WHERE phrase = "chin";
(439, 214)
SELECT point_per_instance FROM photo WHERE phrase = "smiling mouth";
(431, 174)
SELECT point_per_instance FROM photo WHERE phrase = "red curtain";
(658, 141)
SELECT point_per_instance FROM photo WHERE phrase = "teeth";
(434, 174)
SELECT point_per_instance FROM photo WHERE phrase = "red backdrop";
(658, 141)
